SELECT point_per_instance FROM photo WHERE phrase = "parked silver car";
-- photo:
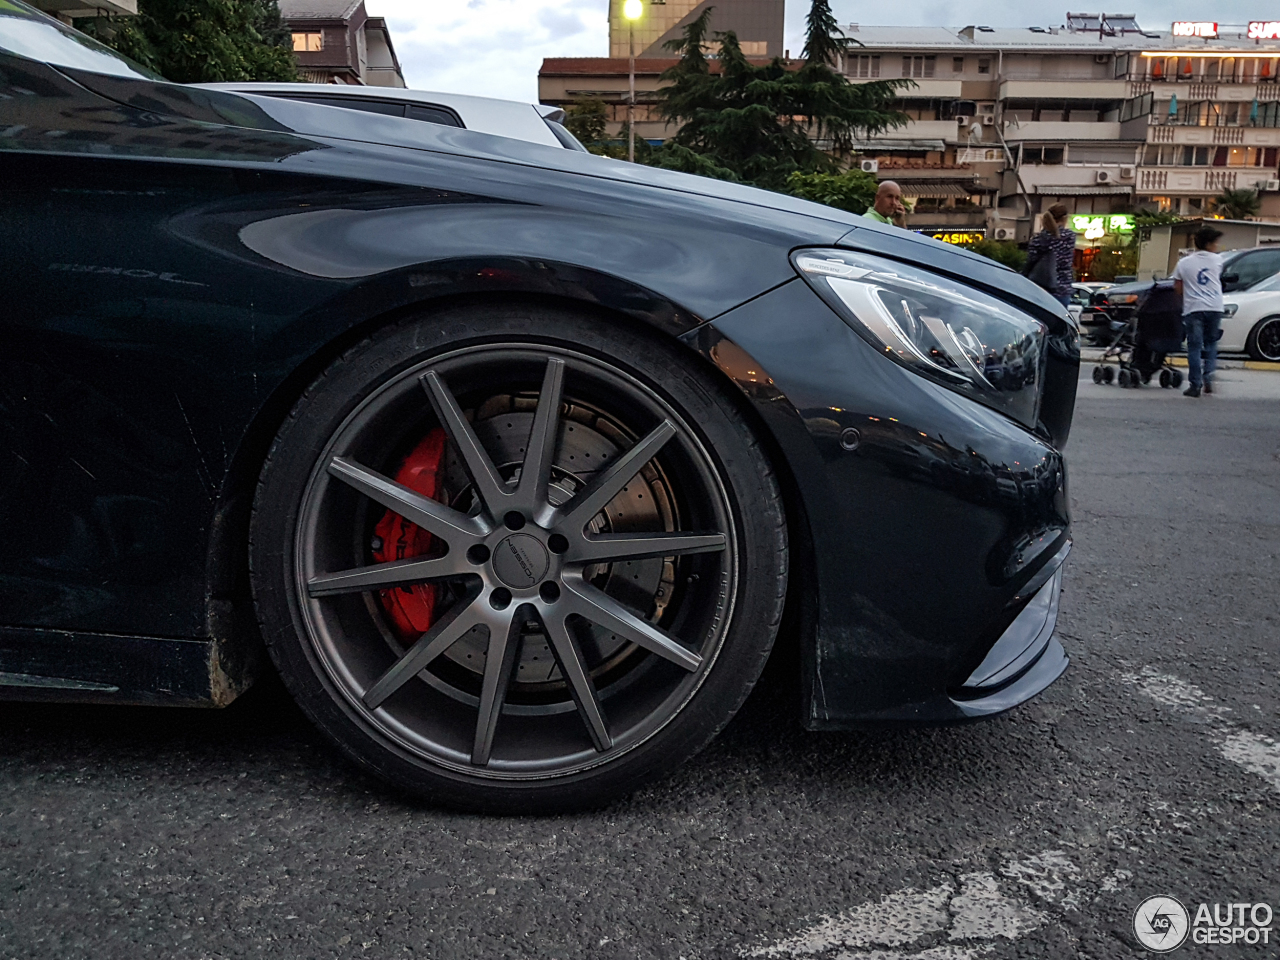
(532, 122)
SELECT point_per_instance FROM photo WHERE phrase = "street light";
(632, 10)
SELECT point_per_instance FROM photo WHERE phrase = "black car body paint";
(179, 264)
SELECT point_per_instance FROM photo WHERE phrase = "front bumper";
(920, 518)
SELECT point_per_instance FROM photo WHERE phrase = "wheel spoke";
(494, 494)
(595, 605)
(635, 546)
(535, 474)
(397, 573)
(443, 634)
(579, 511)
(445, 522)
(499, 665)
(569, 657)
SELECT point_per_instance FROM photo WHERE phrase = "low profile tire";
(1264, 340)
(604, 566)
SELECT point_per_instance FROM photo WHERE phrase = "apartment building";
(1098, 113)
(336, 41)
(758, 25)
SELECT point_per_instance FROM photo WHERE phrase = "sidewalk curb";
(1094, 355)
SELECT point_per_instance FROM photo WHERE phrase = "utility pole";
(632, 10)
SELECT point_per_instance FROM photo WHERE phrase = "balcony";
(1202, 180)
(1064, 89)
(1049, 177)
(930, 87)
(1215, 136)
(1061, 130)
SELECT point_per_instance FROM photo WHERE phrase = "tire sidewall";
(663, 367)
(1251, 345)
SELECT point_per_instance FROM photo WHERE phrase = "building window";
(754, 48)
(1195, 156)
(864, 66)
(1051, 155)
(918, 66)
(309, 42)
(957, 64)
(984, 65)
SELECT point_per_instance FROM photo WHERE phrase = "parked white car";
(1252, 320)
(533, 122)
(1081, 294)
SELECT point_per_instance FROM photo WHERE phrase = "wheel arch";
(230, 618)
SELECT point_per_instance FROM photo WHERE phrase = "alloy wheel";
(583, 563)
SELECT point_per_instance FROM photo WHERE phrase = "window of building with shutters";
(864, 66)
(918, 66)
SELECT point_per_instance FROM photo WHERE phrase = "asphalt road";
(1152, 767)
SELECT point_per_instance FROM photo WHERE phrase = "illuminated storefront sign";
(959, 237)
(1095, 226)
(1264, 30)
(1194, 28)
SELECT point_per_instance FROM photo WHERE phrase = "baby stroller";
(1141, 348)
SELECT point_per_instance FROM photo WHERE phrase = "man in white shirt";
(1198, 278)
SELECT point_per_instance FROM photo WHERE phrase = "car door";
(1250, 268)
(129, 339)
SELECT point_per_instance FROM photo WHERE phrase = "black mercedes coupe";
(515, 460)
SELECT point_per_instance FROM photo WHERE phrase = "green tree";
(1237, 204)
(764, 123)
(587, 120)
(851, 190)
(205, 41)
(1001, 251)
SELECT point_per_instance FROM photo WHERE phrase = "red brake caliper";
(411, 608)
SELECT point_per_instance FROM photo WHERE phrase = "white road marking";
(1254, 752)
(908, 924)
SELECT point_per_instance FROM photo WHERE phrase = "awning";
(1101, 190)
(923, 188)
(866, 146)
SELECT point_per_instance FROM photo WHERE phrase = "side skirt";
(58, 665)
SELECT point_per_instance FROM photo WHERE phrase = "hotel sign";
(1197, 28)
(1264, 30)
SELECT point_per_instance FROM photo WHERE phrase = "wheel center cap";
(520, 561)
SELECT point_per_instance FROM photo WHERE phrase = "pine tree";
(205, 41)
(761, 122)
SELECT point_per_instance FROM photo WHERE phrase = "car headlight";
(1122, 298)
(1229, 309)
(937, 327)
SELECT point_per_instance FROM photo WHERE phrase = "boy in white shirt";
(1198, 278)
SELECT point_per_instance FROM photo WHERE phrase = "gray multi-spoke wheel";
(588, 564)
(1264, 340)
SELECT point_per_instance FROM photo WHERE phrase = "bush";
(851, 190)
(1001, 251)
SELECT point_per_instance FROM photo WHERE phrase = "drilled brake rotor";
(588, 441)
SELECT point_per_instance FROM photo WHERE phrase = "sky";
(493, 48)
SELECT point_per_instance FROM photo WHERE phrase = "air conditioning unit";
(1005, 233)
(988, 120)
(1101, 57)
(962, 120)
(870, 166)
(1103, 176)
(987, 108)
(1269, 185)
(1127, 173)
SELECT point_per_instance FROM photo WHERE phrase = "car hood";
(335, 123)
